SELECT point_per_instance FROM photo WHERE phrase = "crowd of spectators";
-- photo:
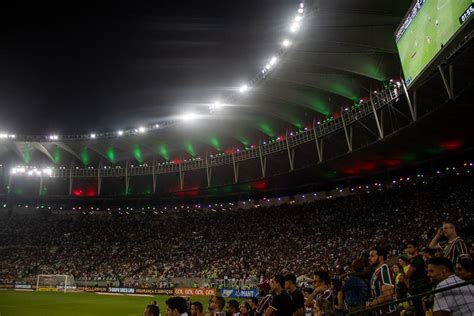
(294, 238)
(234, 243)
(434, 287)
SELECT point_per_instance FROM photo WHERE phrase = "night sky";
(82, 67)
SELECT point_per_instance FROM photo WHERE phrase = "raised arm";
(434, 242)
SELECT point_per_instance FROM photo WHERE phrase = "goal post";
(55, 282)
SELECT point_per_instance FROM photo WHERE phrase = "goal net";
(55, 282)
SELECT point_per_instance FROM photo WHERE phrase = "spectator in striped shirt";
(454, 248)
(233, 308)
(216, 307)
(322, 288)
(265, 299)
(382, 283)
(253, 306)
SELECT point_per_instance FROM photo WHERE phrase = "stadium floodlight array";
(366, 107)
(81, 137)
(294, 27)
(31, 171)
(7, 136)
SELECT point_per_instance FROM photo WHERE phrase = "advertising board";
(194, 292)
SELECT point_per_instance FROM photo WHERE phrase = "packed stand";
(235, 243)
(334, 238)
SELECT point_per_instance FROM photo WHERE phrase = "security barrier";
(458, 299)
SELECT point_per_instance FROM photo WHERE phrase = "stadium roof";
(120, 68)
(82, 71)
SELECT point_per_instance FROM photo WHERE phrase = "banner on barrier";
(233, 293)
(47, 289)
(155, 291)
(23, 286)
(121, 290)
(68, 287)
(6, 286)
(93, 289)
(194, 292)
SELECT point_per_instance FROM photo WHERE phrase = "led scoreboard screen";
(426, 29)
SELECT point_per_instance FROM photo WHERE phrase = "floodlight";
(18, 170)
(189, 117)
(300, 10)
(298, 18)
(273, 61)
(285, 43)
(120, 133)
(243, 88)
(216, 105)
(295, 27)
(141, 129)
(301, 5)
(53, 137)
(93, 135)
(157, 125)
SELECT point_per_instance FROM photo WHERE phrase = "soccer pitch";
(432, 27)
(14, 303)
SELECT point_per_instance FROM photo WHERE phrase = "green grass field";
(14, 303)
(433, 26)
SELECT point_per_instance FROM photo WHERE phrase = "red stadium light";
(77, 192)
(392, 162)
(452, 144)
